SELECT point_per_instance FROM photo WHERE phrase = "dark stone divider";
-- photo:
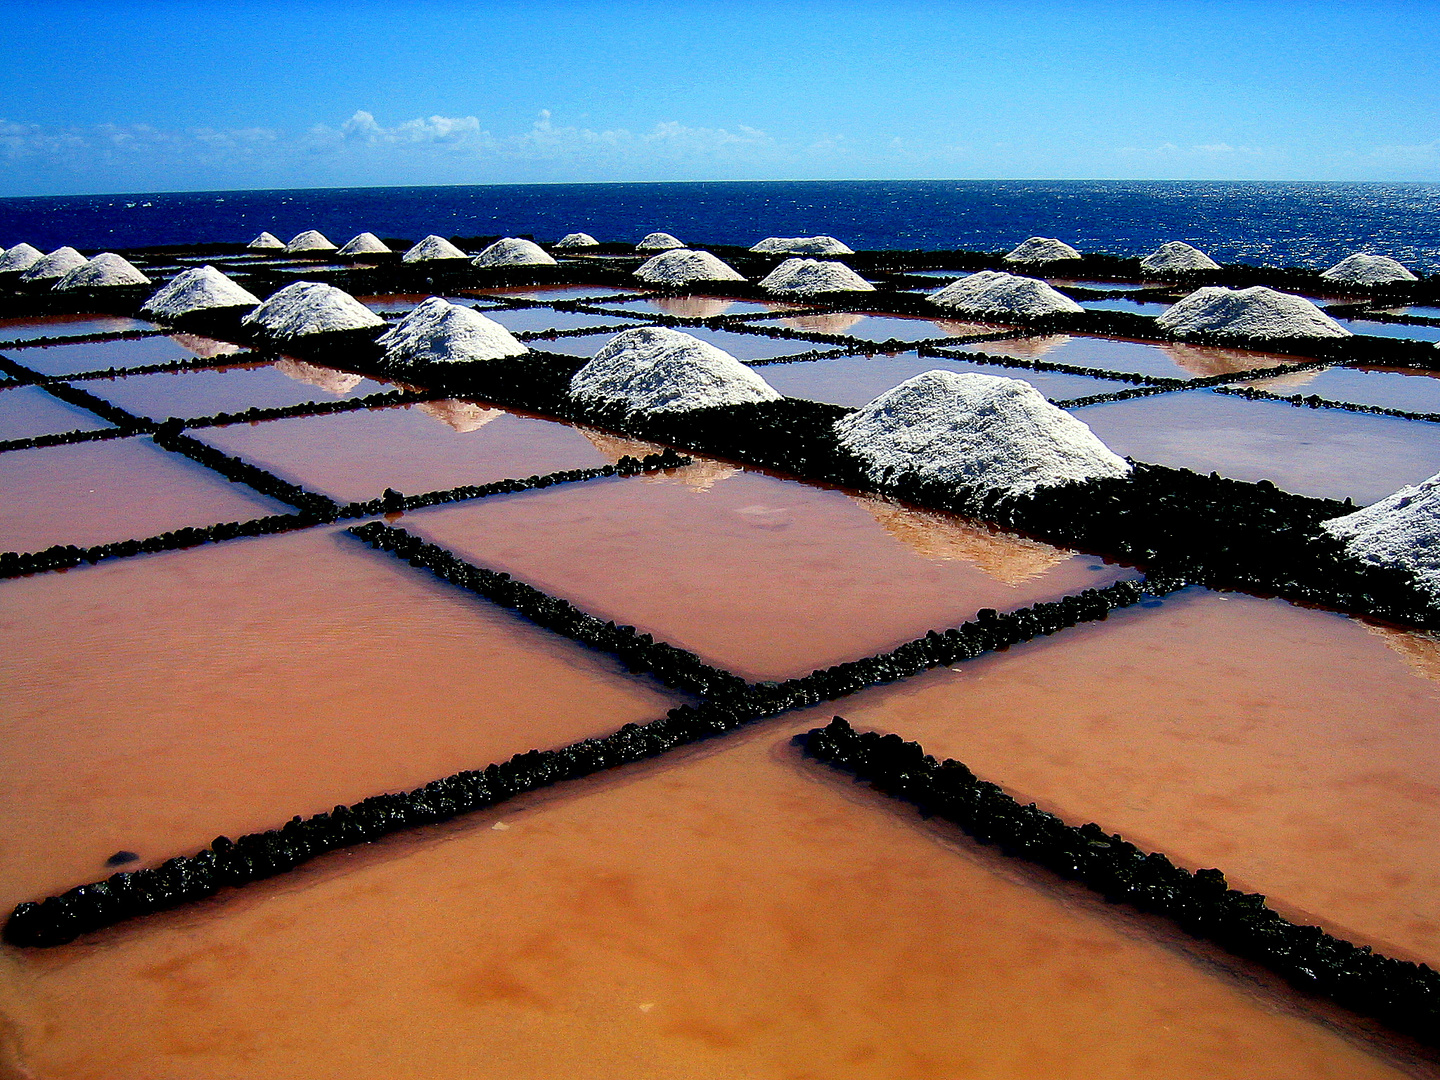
(168, 435)
(82, 339)
(1402, 995)
(1315, 401)
(64, 438)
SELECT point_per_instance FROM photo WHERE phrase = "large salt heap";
(201, 288)
(54, 266)
(367, 243)
(105, 271)
(309, 307)
(684, 267)
(512, 251)
(266, 242)
(311, 240)
(433, 249)
(655, 369)
(658, 241)
(995, 294)
(802, 245)
(1401, 530)
(1042, 249)
(1177, 257)
(811, 277)
(19, 258)
(439, 332)
(1368, 270)
(986, 433)
(1253, 314)
(576, 240)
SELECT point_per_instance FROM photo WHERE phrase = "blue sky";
(147, 96)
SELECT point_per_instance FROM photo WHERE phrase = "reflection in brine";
(463, 416)
(1025, 348)
(700, 476)
(692, 307)
(331, 380)
(1420, 651)
(832, 323)
(205, 347)
(1206, 360)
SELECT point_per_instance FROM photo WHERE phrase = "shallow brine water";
(1407, 389)
(27, 412)
(75, 359)
(44, 326)
(1171, 360)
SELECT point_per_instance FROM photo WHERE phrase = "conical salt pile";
(654, 369)
(1253, 314)
(20, 257)
(996, 294)
(658, 241)
(266, 242)
(512, 251)
(439, 332)
(433, 249)
(1042, 249)
(201, 288)
(801, 245)
(1401, 530)
(308, 241)
(54, 266)
(683, 267)
(309, 307)
(105, 271)
(367, 243)
(811, 277)
(984, 432)
(576, 240)
(1177, 257)
(1368, 270)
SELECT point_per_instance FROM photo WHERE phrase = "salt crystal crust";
(266, 242)
(802, 245)
(658, 241)
(20, 257)
(309, 240)
(1254, 314)
(1177, 257)
(577, 240)
(201, 288)
(367, 243)
(512, 251)
(655, 369)
(1401, 530)
(105, 271)
(984, 432)
(432, 249)
(54, 266)
(683, 266)
(309, 307)
(1368, 270)
(997, 294)
(1042, 249)
(439, 332)
(811, 277)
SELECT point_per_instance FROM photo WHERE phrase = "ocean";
(1265, 223)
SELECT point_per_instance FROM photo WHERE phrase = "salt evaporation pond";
(549, 294)
(698, 307)
(1168, 360)
(539, 319)
(1406, 389)
(31, 327)
(739, 345)
(1136, 307)
(913, 328)
(27, 412)
(80, 357)
(1408, 331)
(399, 303)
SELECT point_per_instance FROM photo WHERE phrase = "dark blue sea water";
(1276, 224)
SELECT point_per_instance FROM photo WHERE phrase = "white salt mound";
(54, 266)
(512, 251)
(201, 288)
(106, 270)
(439, 332)
(309, 240)
(811, 277)
(309, 307)
(1368, 270)
(683, 266)
(1401, 530)
(655, 369)
(658, 241)
(577, 240)
(433, 249)
(981, 431)
(1256, 313)
(20, 257)
(1177, 256)
(367, 243)
(997, 294)
(266, 242)
(1041, 249)
(802, 245)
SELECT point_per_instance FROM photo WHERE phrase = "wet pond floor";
(1168, 360)
(27, 412)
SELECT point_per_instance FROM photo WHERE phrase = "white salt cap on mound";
(1042, 249)
(802, 245)
(1368, 270)
(998, 294)
(1178, 256)
(981, 431)
(655, 369)
(658, 241)
(308, 307)
(20, 257)
(683, 266)
(1401, 530)
(54, 266)
(512, 251)
(367, 243)
(811, 277)
(577, 240)
(432, 249)
(1254, 313)
(104, 271)
(266, 242)
(201, 288)
(309, 240)
(439, 332)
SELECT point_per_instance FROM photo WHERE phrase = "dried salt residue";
(996, 294)
(1361, 269)
(658, 241)
(266, 242)
(54, 266)
(576, 240)
(1401, 530)
(811, 277)
(201, 288)
(367, 243)
(683, 266)
(439, 332)
(432, 249)
(309, 240)
(19, 258)
(655, 369)
(105, 271)
(1177, 257)
(513, 251)
(1256, 314)
(309, 307)
(802, 245)
(1042, 249)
